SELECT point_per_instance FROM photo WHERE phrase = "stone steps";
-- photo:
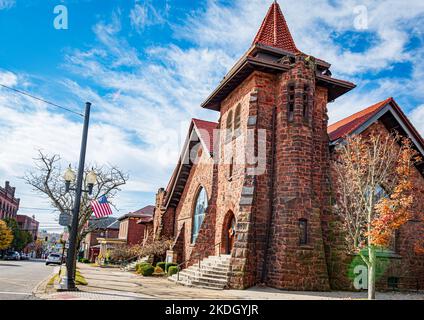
(213, 273)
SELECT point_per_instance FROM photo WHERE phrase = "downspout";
(271, 199)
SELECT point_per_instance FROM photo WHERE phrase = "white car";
(54, 258)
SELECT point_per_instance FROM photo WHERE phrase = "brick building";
(131, 232)
(100, 228)
(29, 224)
(9, 205)
(257, 185)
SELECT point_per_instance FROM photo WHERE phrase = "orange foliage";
(395, 210)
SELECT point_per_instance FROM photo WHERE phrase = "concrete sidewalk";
(114, 284)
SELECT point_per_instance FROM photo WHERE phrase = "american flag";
(101, 207)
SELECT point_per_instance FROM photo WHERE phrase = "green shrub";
(170, 264)
(84, 260)
(172, 270)
(161, 265)
(139, 265)
(146, 270)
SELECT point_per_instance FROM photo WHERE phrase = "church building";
(250, 197)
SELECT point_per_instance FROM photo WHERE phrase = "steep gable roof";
(274, 31)
(348, 125)
(204, 132)
(387, 112)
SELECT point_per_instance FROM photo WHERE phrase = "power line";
(44, 209)
(40, 99)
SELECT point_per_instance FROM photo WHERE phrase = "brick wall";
(201, 175)
(299, 172)
(135, 232)
(404, 263)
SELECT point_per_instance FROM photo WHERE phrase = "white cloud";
(417, 118)
(141, 112)
(145, 14)
(6, 4)
(8, 78)
(118, 48)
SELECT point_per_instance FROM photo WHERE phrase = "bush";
(84, 260)
(172, 270)
(138, 266)
(158, 271)
(161, 265)
(146, 270)
(170, 264)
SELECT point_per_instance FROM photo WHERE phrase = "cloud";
(8, 78)
(143, 98)
(417, 118)
(145, 14)
(116, 47)
(7, 4)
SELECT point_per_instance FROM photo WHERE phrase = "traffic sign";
(65, 219)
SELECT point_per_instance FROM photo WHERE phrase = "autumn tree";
(47, 180)
(21, 238)
(374, 192)
(6, 236)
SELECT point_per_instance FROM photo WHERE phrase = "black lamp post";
(68, 282)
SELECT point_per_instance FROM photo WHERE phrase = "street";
(18, 278)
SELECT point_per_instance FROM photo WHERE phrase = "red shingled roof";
(348, 125)
(274, 31)
(205, 130)
(143, 213)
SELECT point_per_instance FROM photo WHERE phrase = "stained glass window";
(199, 213)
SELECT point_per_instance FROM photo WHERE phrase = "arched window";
(237, 120)
(229, 126)
(199, 213)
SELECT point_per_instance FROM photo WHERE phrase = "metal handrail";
(199, 259)
(128, 261)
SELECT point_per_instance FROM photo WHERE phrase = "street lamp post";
(68, 282)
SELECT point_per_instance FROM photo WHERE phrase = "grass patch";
(79, 279)
(52, 280)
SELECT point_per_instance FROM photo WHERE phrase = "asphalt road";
(19, 278)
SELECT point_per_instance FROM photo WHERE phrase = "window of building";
(229, 126)
(305, 102)
(231, 169)
(290, 102)
(303, 231)
(199, 213)
(237, 121)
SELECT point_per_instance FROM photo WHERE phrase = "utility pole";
(68, 282)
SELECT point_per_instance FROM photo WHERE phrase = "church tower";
(281, 211)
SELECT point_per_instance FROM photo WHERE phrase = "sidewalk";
(114, 284)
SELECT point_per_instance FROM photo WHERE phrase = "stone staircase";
(131, 266)
(213, 273)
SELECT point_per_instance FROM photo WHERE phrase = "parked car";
(54, 258)
(12, 255)
(24, 256)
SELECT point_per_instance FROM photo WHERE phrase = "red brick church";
(252, 193)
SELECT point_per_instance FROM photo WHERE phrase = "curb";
(40, 288)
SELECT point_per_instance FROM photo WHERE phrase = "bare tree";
(47, 180)
(374, 185)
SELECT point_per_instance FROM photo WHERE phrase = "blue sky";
(147, 65)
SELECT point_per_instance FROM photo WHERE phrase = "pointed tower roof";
(274, 31)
